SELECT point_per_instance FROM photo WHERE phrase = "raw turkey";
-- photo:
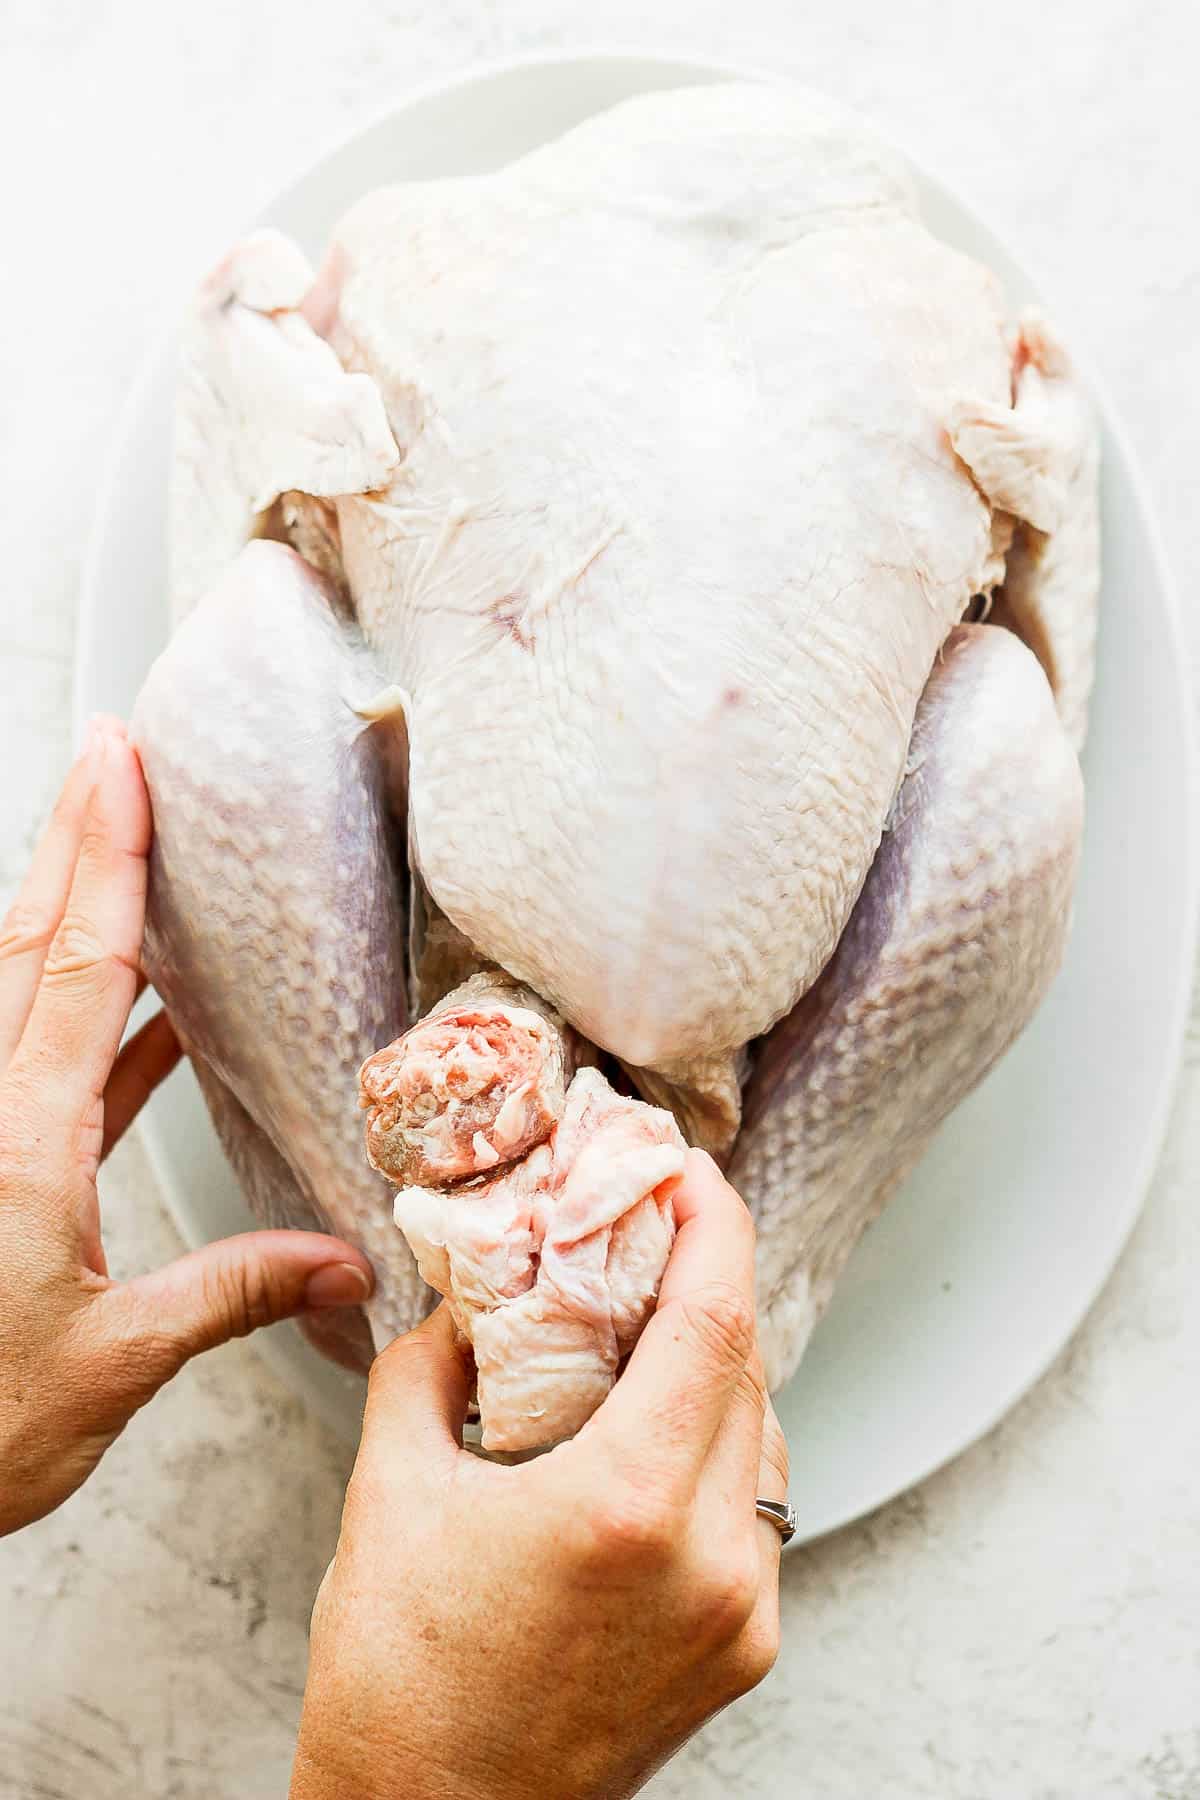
(551, 1266)
(275, 926)
(627, 503)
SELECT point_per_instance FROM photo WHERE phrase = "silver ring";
(782, 1515)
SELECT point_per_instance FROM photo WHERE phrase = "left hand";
(79, 1352)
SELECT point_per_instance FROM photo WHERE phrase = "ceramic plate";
(983, 1266)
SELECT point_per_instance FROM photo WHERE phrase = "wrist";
(356, 1769)
(364, 1775)
(339, 1757)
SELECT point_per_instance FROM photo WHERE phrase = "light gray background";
(1027, 1624)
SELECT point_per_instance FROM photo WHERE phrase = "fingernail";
(337, 1284)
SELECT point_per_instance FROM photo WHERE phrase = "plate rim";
(1054, 1340)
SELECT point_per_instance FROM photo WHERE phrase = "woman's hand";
(562, 1626)
(80, 1353)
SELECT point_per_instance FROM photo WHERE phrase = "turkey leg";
(275, 923)
(955, 939)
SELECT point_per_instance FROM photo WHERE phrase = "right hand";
(563, 1625)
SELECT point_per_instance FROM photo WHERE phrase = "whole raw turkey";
(598, 755)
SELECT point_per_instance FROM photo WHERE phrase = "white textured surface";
(1027, 1625)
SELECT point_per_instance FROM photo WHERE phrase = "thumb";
(223, 1291)
(419, 1388)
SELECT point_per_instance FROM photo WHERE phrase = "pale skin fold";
(287, 414)
(702, 446)
(1038, 462)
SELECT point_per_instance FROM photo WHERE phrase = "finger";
(728, 1483)
(145, 1061)
(418, 1390)
(664, 1411)
(771, 1483)
(34, 916)
(91, 969)
(753, 1655)
(155, 1323)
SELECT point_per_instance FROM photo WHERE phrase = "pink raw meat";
(552, 1267)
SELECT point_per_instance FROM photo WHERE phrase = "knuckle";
(242, 1295)
(95, 846)
(631, 1528)
(721, 1317)
(76, 952)
(26, 930)
(249, 1295)
(753, 1656)
(726, 1594)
